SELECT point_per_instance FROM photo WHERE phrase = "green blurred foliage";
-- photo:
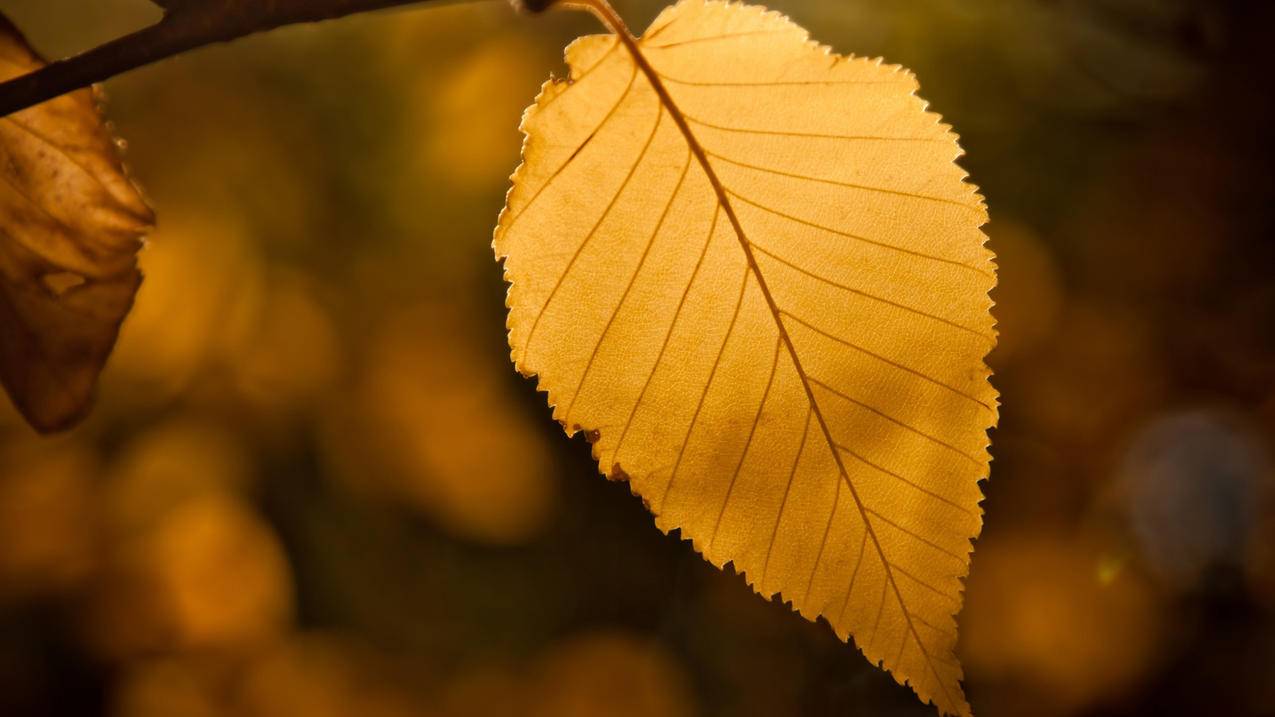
(313, 485)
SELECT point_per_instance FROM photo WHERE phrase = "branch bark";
(186, 25)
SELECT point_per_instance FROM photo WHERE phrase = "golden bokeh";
(1047, 613)
(48, 518)
(615, 674)
(439, 434)
(201, 296)
(313, 485)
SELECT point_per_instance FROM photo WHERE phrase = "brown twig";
(186, 25)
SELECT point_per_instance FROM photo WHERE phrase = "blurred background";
(313, 484)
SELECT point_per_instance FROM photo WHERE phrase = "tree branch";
(186, 25)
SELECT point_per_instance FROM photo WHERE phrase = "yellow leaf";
(751, 270)
(71, 223)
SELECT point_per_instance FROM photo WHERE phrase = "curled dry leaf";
(751, 270)
(71, 224)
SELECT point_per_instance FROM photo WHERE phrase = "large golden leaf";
(752, 271)
(70, 228)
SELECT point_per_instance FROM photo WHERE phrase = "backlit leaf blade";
(778, 339)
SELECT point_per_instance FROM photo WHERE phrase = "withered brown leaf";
(71, 224)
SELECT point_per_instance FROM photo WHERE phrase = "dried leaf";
(751, 270)
(71, 224)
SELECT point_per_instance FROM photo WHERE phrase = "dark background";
(313, 484)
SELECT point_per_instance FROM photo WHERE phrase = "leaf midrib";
(617, 25)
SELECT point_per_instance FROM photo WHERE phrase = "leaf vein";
(668, 334)
(867, 295)
(839, 183)
(928, 586)
(776, 83)
(883, 359)
(823, 542)
(774, 365)
(920, 538)
(919, 487)
(628, 288)
(574, 154)
(712, 374)
(714, 38)
(856, 237)
(783, 504)
(593, 232)
(901, 424)
(810, 135)
(572, 83)
(858, 562)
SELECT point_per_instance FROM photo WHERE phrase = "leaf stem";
(186, 25)
(606, 14)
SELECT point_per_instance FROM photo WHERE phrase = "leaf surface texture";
(71, 224)
(764, 295)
